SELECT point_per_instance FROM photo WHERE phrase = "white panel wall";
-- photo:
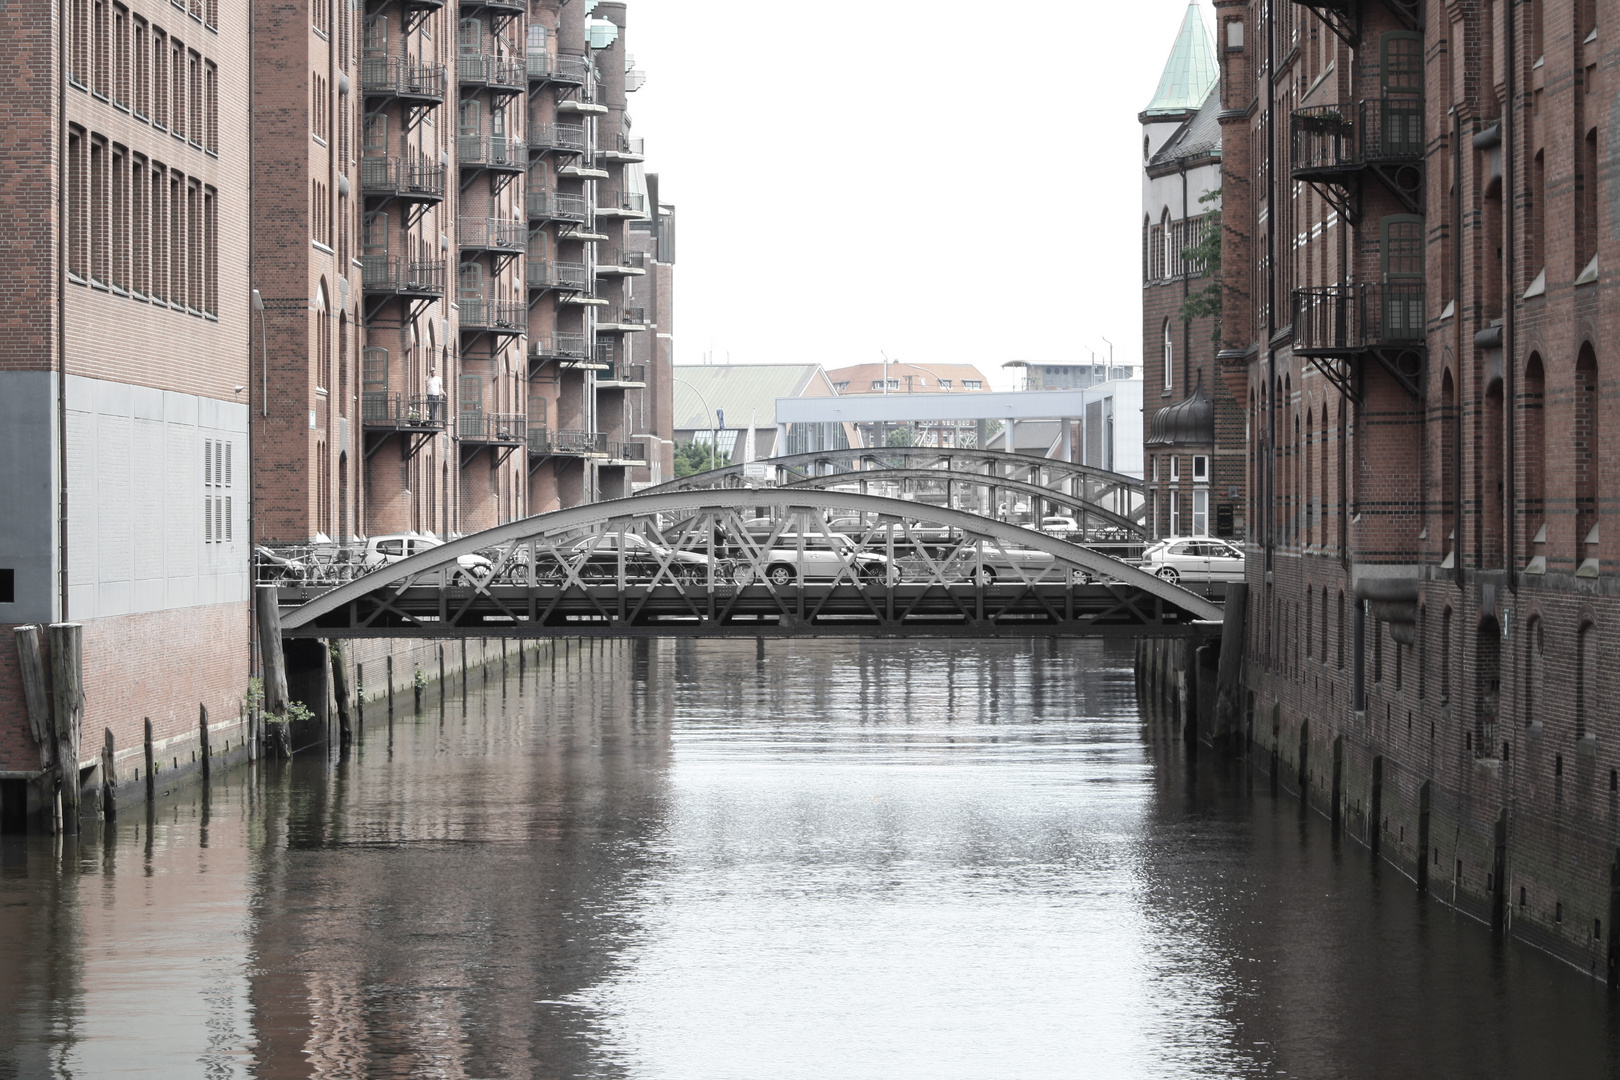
(139, 538)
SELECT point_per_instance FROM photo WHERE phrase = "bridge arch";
(411, 598)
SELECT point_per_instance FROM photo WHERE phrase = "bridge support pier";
(309, 681)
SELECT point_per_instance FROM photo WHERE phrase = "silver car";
(1193, 558)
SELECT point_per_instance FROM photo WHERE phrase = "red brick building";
(1417, 201)
(123, 374)
(1192, 422)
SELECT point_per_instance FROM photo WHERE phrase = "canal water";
(718, 859)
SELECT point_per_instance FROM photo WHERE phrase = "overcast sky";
(939, 180)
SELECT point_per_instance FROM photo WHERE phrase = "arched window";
(1587, 459)
(1532, 407)
(1586, 676)
(323, 339)
(1169, 357)
(1534, 670)
(343, 364)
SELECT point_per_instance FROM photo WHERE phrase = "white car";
(1193, 558)
(390, 548)
(820, 557)
(1060, 527)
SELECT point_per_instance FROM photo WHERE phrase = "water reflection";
(797, 859)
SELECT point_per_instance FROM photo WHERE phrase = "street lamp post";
(714, 427)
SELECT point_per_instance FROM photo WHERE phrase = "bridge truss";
(751, 562)
(1116, 492)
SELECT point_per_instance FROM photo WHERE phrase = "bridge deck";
(964, 609)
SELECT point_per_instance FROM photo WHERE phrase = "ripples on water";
(802, 860)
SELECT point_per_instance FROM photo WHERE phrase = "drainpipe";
(1271, 286)
(63, 256)
(1509, 238)
(1456, 420)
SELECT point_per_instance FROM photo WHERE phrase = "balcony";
(497, 7)
(569, 69)
(621, 204)
(544, 442)
(499, 153)
(557, 206)
(621, 320)
(622, 147)
(384, 411)
(486, 72)
(1336, 325)
(396, 178)
(544, 275)
(611, 262)
(492, 429)
(484, 316)
(564, 347)
(414, 82)
(557, 138)
(395, 275)
(626, 454)
(1336, 145)
(492, 234)
(621, 376)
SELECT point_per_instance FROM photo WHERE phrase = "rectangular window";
(211, 268)
(1201, 467)
(211, 13)
(78, 230)
(1200, 512)
(211, 105)
(1175, 468)
(197, 109)
(1175, 512)
(177, 240)
(98, 212)
(78, 31)
(101, 38)
(160, 78)
(194, 245)
(139, 221)
(141, 56)
(158, 233)
(177, 89)
(120, 219)
(120, 47)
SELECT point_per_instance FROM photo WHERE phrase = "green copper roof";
(1190, 73)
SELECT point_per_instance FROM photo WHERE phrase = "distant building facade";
(1046, 375)
(717, 403)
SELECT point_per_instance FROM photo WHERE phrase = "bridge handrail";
(646, 505)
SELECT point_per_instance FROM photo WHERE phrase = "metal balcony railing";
(395, 177)
(565, 67)
(492, 152)
(563, 346)
(506, 316)
(610, 259)
(627, 316)
(384, 411)
(627, 451)
(621, 373)
(492, 233)
(557, 206)
(1332, 139)
(397, 274)
(628, 202)
(544, 274)
(1344, 319)
(482, 69)
(403, 77)
(580, 443)
(507, 429)
(623, 146)
(566, 137)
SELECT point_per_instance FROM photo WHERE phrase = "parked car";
(390, 548)
(598, 557)
(1060, 527)
(1000, 563)
(1193, 558)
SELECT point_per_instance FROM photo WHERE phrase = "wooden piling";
(67, 675)
(273, 660)
(389, 672)
(151, 773)
(35, 695)
(203, 749)
(340, 689)
(109, 779)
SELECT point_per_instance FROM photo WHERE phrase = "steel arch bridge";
(751, 563)
(1116, 492)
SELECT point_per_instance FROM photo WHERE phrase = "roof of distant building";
(741, 391)
(907, 377)
(1199, 137)
(1191, 71)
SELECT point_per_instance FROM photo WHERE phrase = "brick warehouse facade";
(1417, 199)
(1192, 420)
(122, 413)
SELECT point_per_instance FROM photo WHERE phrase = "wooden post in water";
(151, 778)
(340, 689)
(109, 779)
(274, 664)
(67, 674)
(203, 749)
(36, 698)
(360, 693)
(389, 672)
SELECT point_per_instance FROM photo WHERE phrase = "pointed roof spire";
(1190, 73)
